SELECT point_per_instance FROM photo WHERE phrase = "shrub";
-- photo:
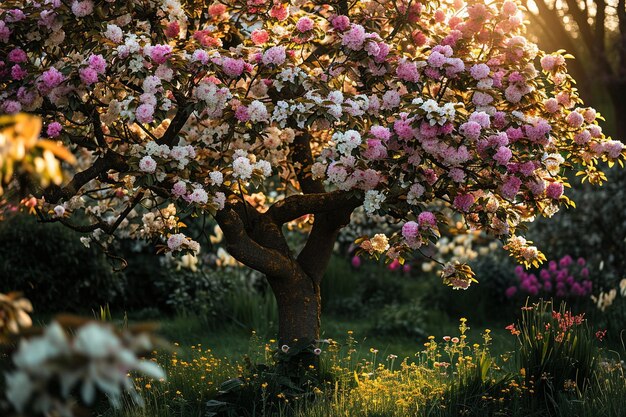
(557, 352)
(401, 319)
(52, 268)
(563, 279)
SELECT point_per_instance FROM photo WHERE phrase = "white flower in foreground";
(94, 359)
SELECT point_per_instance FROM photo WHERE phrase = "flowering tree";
(175, 109)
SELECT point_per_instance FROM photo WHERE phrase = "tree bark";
(298, 300)
(617, 92)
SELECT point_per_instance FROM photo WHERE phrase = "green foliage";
(557, 351)
(460, 376)
(202, 292)
(371, 288)
(401, 319)
(50, 265)
(482, 303)
(269, 389)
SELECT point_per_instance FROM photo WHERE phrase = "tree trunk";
(298, 302)
(617, 92)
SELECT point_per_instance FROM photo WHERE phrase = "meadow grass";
(364, 374)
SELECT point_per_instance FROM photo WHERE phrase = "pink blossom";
(355, 261)
(82, 8)
(391, 99)
(15, 15)
(179, 189)
(589, 114)
(457, 175)
(17, 56)
(419, 39)
(426, 220)
(481, 99)
(54, 129)
(341, 23)
(527, 168)
(595, 131)
(242, 114)
(582, 137)
(550, 62)
(574, 119)
(172, 29)
(259, 36)
(98, 63)
(430, 176)
(410, 230)
(380, 132)
(499, 120)
(147, 164)
(11, 106)
(304, 24)
(370, 178)
(470, 130)
(354, 38)
(52, 78)
(403, 129)
(233, 67)
(510, 292)
(280, 12)
(383, 51)
(18, 73)
(479, 71)
(394, 265)
(481, 118)
(503, 155)
(217, 9)
(436, 59)
(145, 113)
(536, 187)
(551, 105)
(201, 56)
(554, 190)
(510, 187)
(375, 149)
(88, 75)
(160, 53)
(5, 32)
(454, 66)
(407, 71)
(274, 56)
(464, 202)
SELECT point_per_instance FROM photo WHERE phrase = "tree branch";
(110, 160)
(296, 206)
(302, 159)
(178, 122)
(239, 244)
(316, 253)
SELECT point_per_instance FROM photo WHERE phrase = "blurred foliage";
(27, 161)
(596, 229)
(52, 268)
(401, 320)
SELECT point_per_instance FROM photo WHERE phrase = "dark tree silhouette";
(594, 31)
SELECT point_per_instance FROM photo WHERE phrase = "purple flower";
(510, 292)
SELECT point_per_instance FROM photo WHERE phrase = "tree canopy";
(177, 108)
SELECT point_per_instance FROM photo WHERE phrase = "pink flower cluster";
(562, 279)
(96, 65)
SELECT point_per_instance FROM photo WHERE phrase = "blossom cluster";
(562, 279)
(93, 358)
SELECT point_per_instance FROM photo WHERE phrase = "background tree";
(182, 110)
(595, 31)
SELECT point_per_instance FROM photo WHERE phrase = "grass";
(476, 376)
